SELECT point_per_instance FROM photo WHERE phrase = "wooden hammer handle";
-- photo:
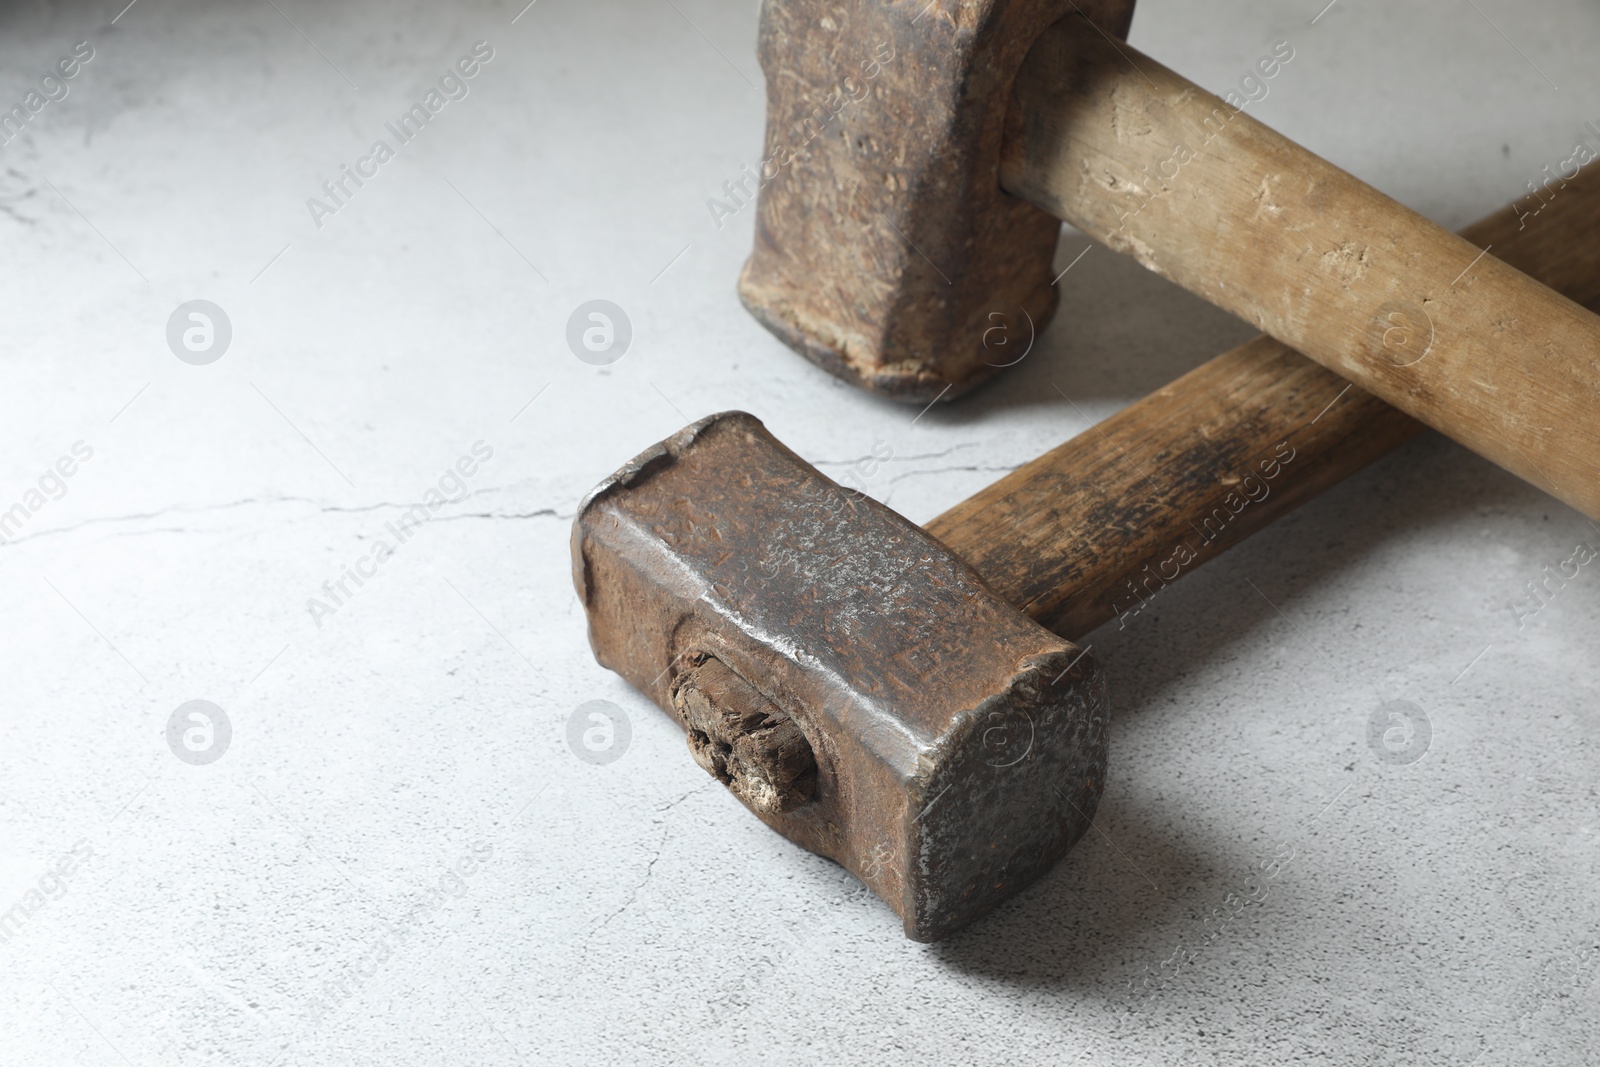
(1098, 527)
(1149, 163)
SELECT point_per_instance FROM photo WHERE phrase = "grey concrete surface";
(398, 857)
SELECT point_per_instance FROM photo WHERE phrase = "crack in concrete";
(542, 513)
(141, 516)
(892, 458)
(1003, 469)
(322, 509)
(701, 788)
(633, 895)
(649, 868)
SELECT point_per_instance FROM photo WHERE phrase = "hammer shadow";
(1120, 333)
(1138, 885)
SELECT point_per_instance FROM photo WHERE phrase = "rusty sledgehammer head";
(884, 245)
(844, 674)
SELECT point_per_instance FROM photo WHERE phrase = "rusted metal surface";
(884, 243)
(956, 748)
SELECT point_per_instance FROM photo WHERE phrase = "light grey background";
(1443, 912)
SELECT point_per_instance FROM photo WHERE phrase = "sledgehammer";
(890, 696)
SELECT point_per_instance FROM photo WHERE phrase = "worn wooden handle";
(1147, 162)
(1098, 527)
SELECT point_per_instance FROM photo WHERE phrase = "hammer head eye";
(742, 739)
(845, 676)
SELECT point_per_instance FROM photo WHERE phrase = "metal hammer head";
(884, 245)
(854, 683)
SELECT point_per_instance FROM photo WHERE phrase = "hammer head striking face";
(845, 675)
(885, 247)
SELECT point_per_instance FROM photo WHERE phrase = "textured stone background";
(291, 902)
